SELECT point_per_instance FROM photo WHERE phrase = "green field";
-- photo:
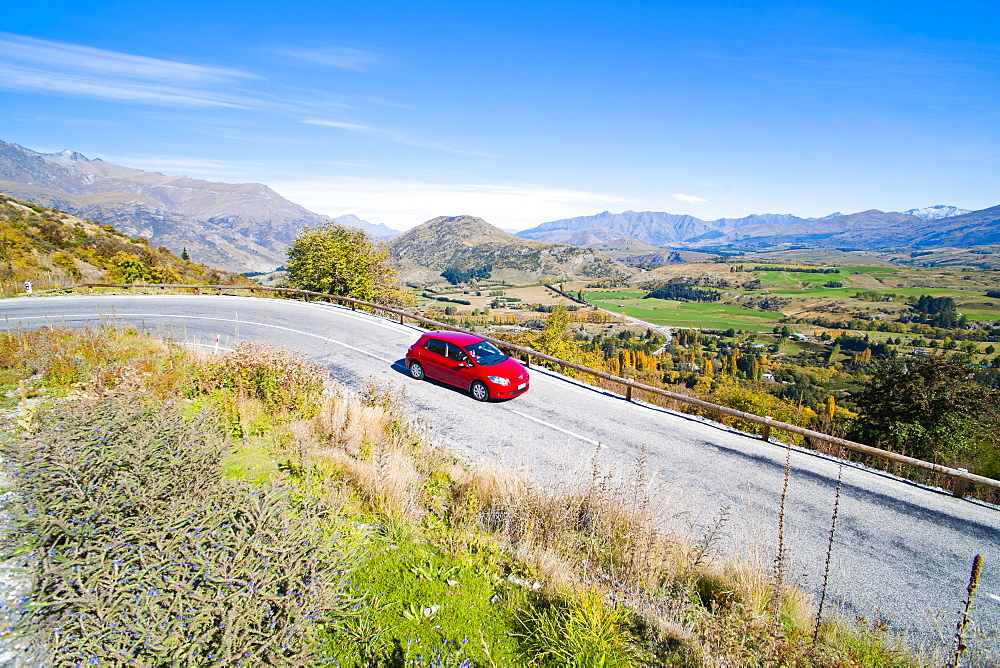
(797, 278)
(703, 315)
(713, 315)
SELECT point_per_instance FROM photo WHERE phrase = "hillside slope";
(52, 248)
(466, 242)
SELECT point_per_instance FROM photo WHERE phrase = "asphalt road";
(902, 553)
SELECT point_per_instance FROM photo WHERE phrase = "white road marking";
(369, 318)
(552, 426)
(994, 597)
(244, 322)
(205, 345)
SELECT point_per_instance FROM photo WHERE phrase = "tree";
(926, 408)
(184, 254)
(342, 261)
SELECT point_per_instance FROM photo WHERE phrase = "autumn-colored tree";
(342, 261)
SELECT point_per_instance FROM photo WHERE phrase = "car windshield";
(485, 353)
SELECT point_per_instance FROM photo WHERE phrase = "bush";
(146, 557)
(275, 376)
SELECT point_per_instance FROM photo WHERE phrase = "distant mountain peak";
(376, 230)
(66, 157)
(937, 212)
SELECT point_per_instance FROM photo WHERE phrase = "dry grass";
(589, 533)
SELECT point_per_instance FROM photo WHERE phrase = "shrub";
(146, 557)
(275, 376)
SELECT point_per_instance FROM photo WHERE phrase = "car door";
(435, 359)
(457, 367)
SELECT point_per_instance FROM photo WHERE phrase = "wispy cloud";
(690, 199)
(926, 69)
(195, 167)
(70, 69)
(394, 136)
(343, 57)
(404, 204)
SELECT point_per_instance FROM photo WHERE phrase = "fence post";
(766, 431)
(628, 391)
(959, 485)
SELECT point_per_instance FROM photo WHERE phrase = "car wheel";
(417, 370)
(478, 391)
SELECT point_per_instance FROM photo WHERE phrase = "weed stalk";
(779, 557)
(960, 647)
(829, 551)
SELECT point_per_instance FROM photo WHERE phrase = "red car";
(468, 362)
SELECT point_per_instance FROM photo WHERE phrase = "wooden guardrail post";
(766, 431)
(628, 391)
(959, 486)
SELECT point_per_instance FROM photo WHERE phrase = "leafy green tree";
(930, 408)
(342, 261)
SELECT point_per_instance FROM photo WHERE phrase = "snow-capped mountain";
(937, 212)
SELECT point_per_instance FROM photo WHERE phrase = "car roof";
(459, 338)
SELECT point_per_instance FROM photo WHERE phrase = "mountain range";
(928, 227)
(247, 226)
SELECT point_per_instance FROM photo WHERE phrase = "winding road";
(902, 552)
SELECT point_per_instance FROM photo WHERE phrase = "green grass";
(704, 315)
(796, 278)
(422, 605)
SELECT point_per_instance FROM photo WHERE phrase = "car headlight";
(499, 380)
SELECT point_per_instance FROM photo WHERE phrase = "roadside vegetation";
(243, 509)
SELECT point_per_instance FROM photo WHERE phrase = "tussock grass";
(447, 561)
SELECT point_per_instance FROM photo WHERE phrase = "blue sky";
(524, 112)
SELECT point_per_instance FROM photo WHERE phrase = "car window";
(456, 353)
(436, 346)
(485, 353)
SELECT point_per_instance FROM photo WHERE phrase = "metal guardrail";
(960, 477)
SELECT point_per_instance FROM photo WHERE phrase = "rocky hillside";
(466, 243)
(238, 227)
(52, 248)
(866, 230)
